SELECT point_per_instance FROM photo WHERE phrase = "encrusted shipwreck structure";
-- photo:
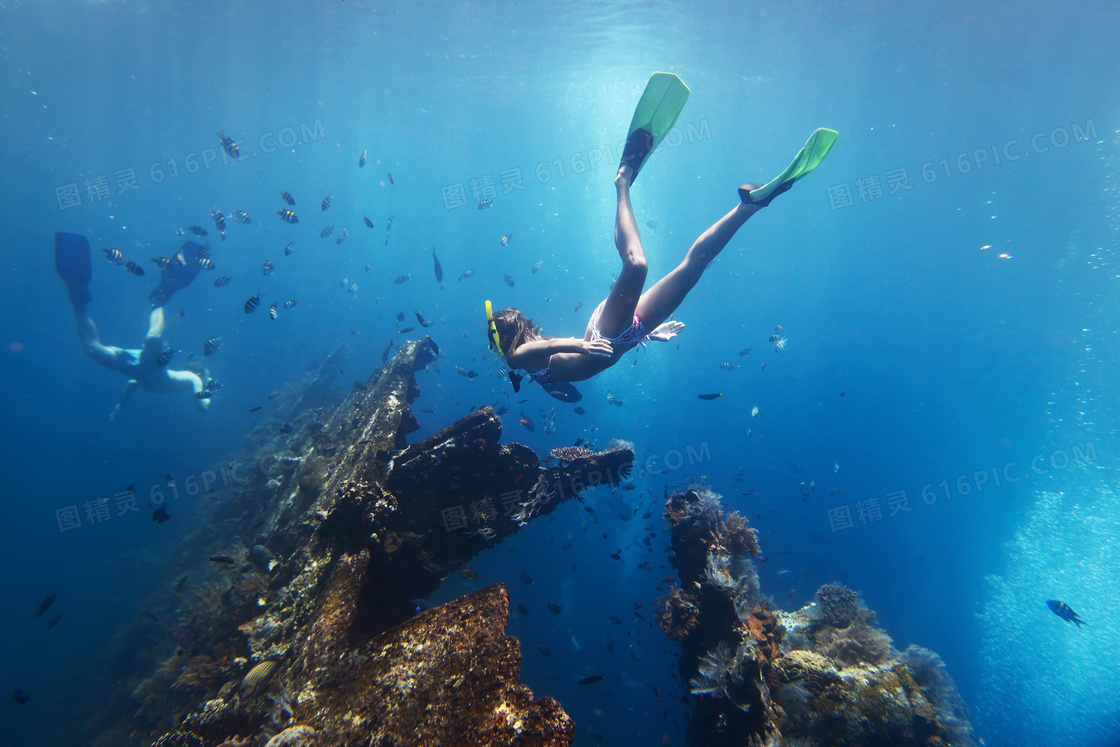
(824, 674)
(310, 635)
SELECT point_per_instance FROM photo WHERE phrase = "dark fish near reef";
(326, 203)
(287, 198)
(211, 346)
(439, 267)
(134, 268)
(114, 255)
(160, 515)
(151, 614)
(197, 230)
(406, 330)
(545, 650)
(423, 323)
(219, 219)
(385, 352)
(257, 679)
(508, 279)
(401, 279)
(326, 232)
(180, 583)
(241, 217)
(367, 221)
(254, 409)
(525, 578)
(205, 263)
(222, 559)
(222, 281)
(1063, 610)
(45, 605)
(229, 146)
(555, 608)
(54, 621)
(341, 237)
(523, 610)
(592, 679)
(579, 411)
(717, 395)
(252, 304)
(286, 428)
(464, 372)
(288, 216)
(400, 316)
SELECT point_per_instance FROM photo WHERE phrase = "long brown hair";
(515, 329)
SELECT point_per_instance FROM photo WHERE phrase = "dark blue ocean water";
(950, 267)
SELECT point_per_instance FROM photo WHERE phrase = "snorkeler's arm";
(522, 356)
(129, 388)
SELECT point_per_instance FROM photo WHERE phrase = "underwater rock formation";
(310, 634)
(824, 674)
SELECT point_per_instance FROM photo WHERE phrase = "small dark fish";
(252, 304)
(45, 604)
(389, 224)
(399, 279)
(222, 281)
(545, 650)
(53, 621)
(592, 679)
(197, 230)
(254, 409)
(341, 237)
(1063, 610)
(326, 232)
(326, 203)
(222, 559)
(367, 221)
(206, 263)
(151, 614)
(579, 411)
(291, 304)
(406, 330)
(20, 697)
(114, 256)
(287, 198)
(508, 279)
(485, 204)
(843, 392)
(727, 366)
(578, 306)
(229, 145)
(288, 216)
(241, 217)
(439, 267)
(267, 268)
(464, 372)
(272, 313)
(211, 346)
(652, 224)
(537, 267)
(717, 395)
(180, 583)
(525, 578)
(165, 357)
(423, 323)
(134, 268)
(286, 428)
(523, 610)
(744, 352)
(362, 160)
(219, 219)
(161, 262)
(291, 247)
(466, 274)
(555, 608)
(390, 177)
(400, 316)
(428, 410)
(506, 238)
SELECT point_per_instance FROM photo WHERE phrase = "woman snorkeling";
(629, 316)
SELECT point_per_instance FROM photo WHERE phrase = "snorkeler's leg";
(91, 340)
(666, 295)
(153, 343)
(129, 388)
(618, 311)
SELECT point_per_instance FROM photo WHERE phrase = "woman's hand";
(599, 347)
(666, 331)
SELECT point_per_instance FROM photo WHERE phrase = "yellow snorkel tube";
(492, 329)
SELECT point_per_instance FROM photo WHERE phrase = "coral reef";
(822, 674)
(569, 453)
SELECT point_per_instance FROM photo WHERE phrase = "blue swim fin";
(177, 275)
(71, 262)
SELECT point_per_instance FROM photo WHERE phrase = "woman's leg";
(660, 301)
(618, 311)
